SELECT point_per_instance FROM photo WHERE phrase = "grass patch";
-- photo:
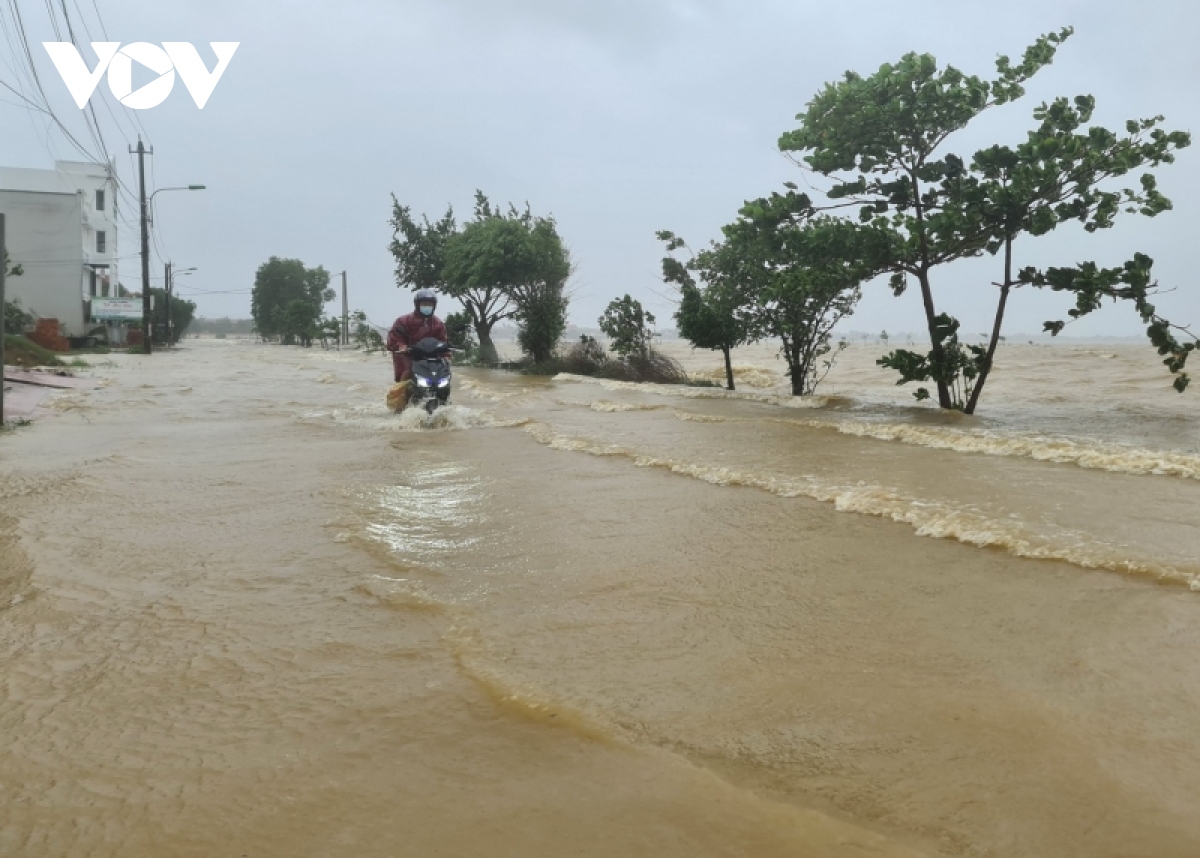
(21, 352)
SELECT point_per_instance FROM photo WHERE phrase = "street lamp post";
(147, 321)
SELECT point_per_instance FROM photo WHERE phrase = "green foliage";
(1129, 282)
(879, 137)
(783, 274)
(182, 313)
(16, 320)
(363, 334)
(499, 265)
(287, 300)
(462, 336)
(952, 363)
(630, 329)
(11, 270)
(708, 315)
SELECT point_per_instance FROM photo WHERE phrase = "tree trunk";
(796, 371)
(943, 389)
(935, 347)
(996, 325)
(728, 368)
(487, 349)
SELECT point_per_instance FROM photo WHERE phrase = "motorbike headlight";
(445, 382)
(422, 382)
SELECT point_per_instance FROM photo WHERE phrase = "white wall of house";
(62, 229)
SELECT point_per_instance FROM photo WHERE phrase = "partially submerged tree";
(879, 137)
(287, 299)
(629, 327)
(520, 258)
(708, 315)
(804, 278)
(500, 265)
(782, 276)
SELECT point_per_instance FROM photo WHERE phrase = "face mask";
(426, 310)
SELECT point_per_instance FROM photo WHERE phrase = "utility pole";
(345, 314)
(3, 271)
(167, 295)
(146, 315)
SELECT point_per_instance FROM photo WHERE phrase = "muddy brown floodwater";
(246, 612)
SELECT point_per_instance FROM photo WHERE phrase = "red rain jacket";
(408, 330)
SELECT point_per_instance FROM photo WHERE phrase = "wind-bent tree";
(803, 278)
(500, 265)
(879, 138)
(786, 275)
(288, 298)
(521, 259)
(708, 315)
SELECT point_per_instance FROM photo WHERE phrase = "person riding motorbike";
(412, 328)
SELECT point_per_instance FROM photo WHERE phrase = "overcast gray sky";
(618, 117)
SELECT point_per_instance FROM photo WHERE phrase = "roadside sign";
(117, 309)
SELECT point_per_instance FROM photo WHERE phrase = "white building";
(61, 228)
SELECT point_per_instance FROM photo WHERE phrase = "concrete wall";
(43, 237)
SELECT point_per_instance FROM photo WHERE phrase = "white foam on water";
(685, 392)
(1107, 456)
(449, 418)
(937, 519)
(607, 407)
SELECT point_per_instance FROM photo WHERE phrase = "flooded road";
(245, 611)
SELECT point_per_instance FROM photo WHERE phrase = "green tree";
(182, 313)
(629, 327)
(798, 279)
(708, 315)
(300, 323)
(499, 265)
(520, 257)
(16, 320)
(461, 334)
(879, 137)
(364, 334)
(420, 249)
(287, 299)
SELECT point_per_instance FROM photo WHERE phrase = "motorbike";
(430, 374)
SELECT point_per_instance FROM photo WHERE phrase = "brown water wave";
(927, 517)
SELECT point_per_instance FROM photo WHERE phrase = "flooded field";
(244, 611)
